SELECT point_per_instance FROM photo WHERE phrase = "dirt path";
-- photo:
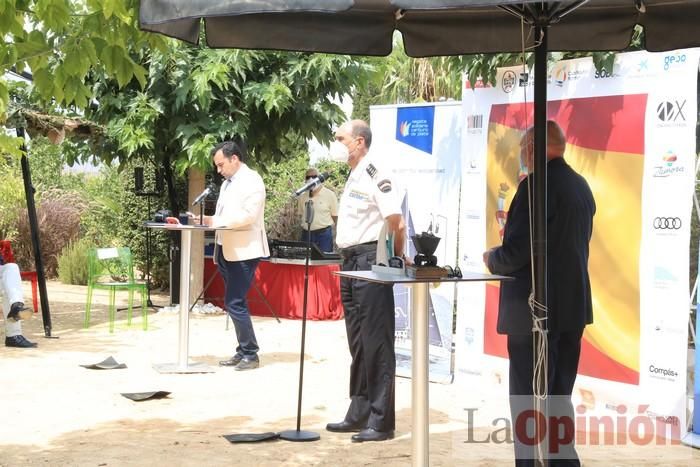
(54, 412)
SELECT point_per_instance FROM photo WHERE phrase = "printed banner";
(420, 144)
(631, 134)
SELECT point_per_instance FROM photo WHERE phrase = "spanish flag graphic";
(605, 144)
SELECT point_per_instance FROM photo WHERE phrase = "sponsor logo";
(667, 374)
(405, 128)
(563, 72)
(415, 127)
(559, 75)
(675, 60)
(469, 336)
(602, 74)
(668, 166)
(671, 113)
(667, 223)
(508, 81)
(664, 278)
(662, 328)
(475, 123)
(472, 214)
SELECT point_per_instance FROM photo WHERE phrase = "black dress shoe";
(247, 364)
(18, 312)
(346, 427)
(19, 341)
(233, 361)
(370, 434)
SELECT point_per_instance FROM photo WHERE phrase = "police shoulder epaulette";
(371, 170)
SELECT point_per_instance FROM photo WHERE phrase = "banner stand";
(692, 438)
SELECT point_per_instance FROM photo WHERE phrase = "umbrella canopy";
(439, 27)
(428, 27)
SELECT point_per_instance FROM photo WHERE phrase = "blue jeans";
(238, 277)
(323, 238)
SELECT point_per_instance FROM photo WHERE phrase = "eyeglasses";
(453, 273)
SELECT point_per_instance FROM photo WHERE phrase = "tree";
(195, 97)
(63, 43)
(400, 79)
(159, 99)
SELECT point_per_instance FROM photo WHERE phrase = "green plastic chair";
(112, 269)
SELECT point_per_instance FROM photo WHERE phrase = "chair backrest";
(109, 265)
(6, 251)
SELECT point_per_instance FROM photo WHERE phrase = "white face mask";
(338, 152)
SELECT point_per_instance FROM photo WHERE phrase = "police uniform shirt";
(368, 199)
(325, 207)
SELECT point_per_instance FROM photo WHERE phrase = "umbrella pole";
(36, 243)
(539, 235)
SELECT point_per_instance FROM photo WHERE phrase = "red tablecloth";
(282, 285)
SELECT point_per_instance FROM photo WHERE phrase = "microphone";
(313, 183)
(202, 195)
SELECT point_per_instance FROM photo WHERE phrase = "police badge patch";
(384, 186)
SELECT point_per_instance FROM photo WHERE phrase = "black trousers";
(564, 350)
(369, 321)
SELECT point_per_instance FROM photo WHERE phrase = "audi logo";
(667, 223)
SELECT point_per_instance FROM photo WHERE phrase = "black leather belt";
(356, 250)
(318, 230)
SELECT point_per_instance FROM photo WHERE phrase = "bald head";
(357, 137)
(556, 144)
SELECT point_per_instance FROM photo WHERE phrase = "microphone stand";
(299, 434)
(201, 213)
(149, 302)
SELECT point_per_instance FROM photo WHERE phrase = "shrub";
(73, 262)
(58, 217)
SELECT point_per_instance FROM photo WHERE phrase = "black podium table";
(183, 365)
(419, 346)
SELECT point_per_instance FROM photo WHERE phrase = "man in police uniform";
(325, 213)
(368, 204)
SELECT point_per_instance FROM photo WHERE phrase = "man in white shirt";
(240, 207)
(325, 211)
(369, 203)
(13, 305)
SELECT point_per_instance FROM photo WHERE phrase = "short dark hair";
(360, 128)
(229, 149)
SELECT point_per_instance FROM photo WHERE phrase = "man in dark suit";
(570, 210)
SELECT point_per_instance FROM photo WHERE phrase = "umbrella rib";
(518, 12)
(559, 11)
(533, 14)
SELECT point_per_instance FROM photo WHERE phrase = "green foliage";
(11, 197)
(65, 43)
(282, 218)
(73, 262)
(195, 98)
(127, 224)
